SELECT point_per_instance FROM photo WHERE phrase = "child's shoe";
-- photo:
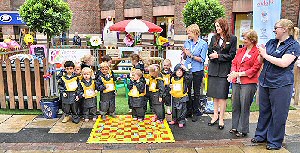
(180, 125)
(130, 111)
(140, 120)
(66, 119)
(86, 120)
(169, 111)
(103, 117)
(113, 115)
(172, 122)
(154, 118)
(159, 122)
(94, 119)
(134, 118)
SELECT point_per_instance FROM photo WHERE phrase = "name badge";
(189, 66)
(177, 87)
(90, 92)
(110, 87)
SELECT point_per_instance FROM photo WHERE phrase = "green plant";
(50, 17)
(203, 13)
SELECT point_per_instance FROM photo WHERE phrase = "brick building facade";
(89, 15)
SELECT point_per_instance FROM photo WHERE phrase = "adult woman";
(244, 76)
(276, 84)
(195, 50)
(221, 51)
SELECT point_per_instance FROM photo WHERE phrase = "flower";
(95, 41)
(28, 39)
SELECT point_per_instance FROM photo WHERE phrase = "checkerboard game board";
(123, 129)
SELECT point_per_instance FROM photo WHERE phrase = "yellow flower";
(28, 38)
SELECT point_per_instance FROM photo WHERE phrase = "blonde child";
(136, 93)
(69, 87)
(167, 73)
(157, 92)
(106, 86)
(147, 76)
(179, 87)
(89, 94)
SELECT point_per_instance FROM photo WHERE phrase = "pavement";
(31, 133)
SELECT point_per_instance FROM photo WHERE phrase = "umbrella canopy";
(135, 25)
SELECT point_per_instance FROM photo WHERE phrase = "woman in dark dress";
(221, 52)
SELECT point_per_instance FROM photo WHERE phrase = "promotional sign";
(62, 55)
(245, 26)
(39, 51)
(10, 18)
(265, 14)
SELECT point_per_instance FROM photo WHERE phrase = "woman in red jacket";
(244, 77)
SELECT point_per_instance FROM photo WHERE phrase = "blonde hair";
(286, 23)
(154, 68)
(251, 35)
(167, 61)
(87, 70)
(138, 72)
(194, 28)
(104, 64)
(87, 58)
(147, 62)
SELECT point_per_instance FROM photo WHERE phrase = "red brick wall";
(179, 25)
(147, 7)
(86, 16)
(119, 10)
(228, 11)
(290, 10)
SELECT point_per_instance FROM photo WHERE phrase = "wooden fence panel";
(2, 91)
(10, 85)
(37, 83)
(28, 84)
(46, 81)
(19, 84)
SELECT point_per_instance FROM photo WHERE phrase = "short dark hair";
(69, 64)
(106, 58)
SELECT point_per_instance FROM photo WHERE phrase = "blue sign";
(10, 18)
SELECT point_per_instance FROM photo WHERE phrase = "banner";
(265, 14)
(62, 55)
(10, 18)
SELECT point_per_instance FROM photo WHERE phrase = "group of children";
(79, 85)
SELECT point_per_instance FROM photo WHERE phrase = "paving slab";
(261, 149)
(294, 115)
(227, 149)
(125, 151)
(78, 151)
(292, 130)
(28, 151)
(68, 127)
(174, 150)
(42, 123)
(15, 123)
(89, 124)
(4, 118)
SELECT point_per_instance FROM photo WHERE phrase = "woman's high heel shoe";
(211, 124)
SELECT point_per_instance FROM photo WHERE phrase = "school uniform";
(106, 86)
(179, 92)
(156, 91)
(89, 99)
(167, 80)
(137, 93)
(70, 86)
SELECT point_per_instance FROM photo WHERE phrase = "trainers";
(134, 118)
(113, 115)
(154, 118)
(159, 122)
(169, 111)
(86, 120)
(103, 117)
(140, 119)
(66, 119)
(94, 119)
(180, 125)
(172, 122)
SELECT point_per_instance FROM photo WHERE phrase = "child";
(69, 87)
(156, 91)
(106, 86)
(77, 71)
(166, 72)
(108, 59)
(147, 76)
(89, 94)
(179, 87)
(137, 64)
(87, 61)
(136, 93)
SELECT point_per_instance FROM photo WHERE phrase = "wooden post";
(2, 92)
(38, 90)
(10, 85)
(28, 83)
(19, 84)
(46, 81)
(297, 84)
